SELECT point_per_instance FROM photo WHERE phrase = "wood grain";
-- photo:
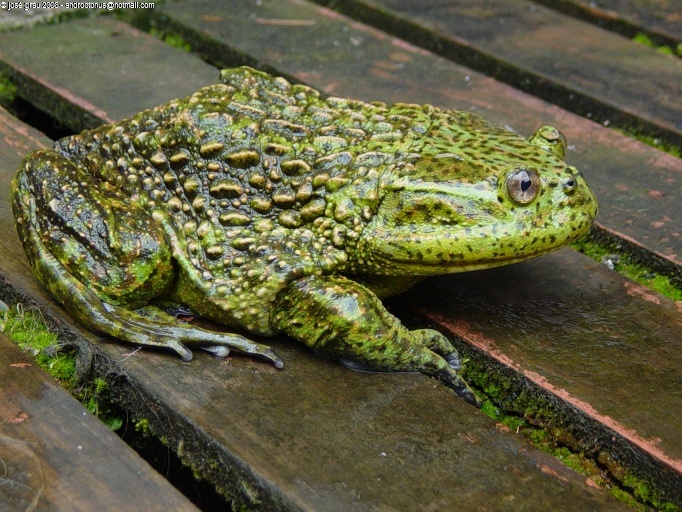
(55, 455)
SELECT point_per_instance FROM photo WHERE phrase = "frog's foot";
(439, 359)
(430, 341)
(342, 319)
(154, 327)
(175, 311)
(436, 342)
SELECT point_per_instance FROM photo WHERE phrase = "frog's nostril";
(569, 186)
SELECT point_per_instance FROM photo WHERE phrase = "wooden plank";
(316, 436)
(575, 336)
(20, 18)
(658, 19)
(55, 455)
(639, 208)
(320, 437)
(19, 62)
(18, 139)
(561, 59)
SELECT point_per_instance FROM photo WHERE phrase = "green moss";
(538, 436)
(624, 265)
(514, 423)
(490, 410)
(142, 427)
(628, 499)
(644, 39)
(172, 39)
(101, 385)
(650, 140)
(27, 328)
(8, 90)
(531, 416)
(643, 492)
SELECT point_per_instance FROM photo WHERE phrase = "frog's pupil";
(525, 185)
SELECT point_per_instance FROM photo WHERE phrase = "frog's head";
(479, 198)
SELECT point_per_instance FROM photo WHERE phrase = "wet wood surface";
(605, 354)
(55, 455)
(274, 430)
(61, 88)
(561, 59)
(659, 19)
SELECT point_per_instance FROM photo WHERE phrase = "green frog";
(263, 206)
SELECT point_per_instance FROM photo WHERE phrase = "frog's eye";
(523, 186)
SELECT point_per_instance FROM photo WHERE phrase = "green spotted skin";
(265, 207)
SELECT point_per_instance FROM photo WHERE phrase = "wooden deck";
(574, 347)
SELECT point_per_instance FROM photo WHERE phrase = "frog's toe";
(454, 361)
(436, 342)
(433, 364)
(179, 348)
(454, 381)
(270, 355)
(218, 351)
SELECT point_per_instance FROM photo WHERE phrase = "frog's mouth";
(423, 249)
(427, 254)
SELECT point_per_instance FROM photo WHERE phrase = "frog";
(268, 208)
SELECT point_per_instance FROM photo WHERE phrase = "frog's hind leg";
(74, 233)
(92, 228)
(344, 320)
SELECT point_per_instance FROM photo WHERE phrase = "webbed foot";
(438, 358)
(154, 327)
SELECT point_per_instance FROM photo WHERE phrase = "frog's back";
(247, 171)
(255, 152)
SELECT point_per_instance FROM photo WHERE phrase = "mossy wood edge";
(57, 456)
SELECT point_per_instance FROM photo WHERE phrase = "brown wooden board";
(314, 436)
(55, 455)
(354, 32)
(661, 20)
(26, 60)
(639, 188)
(567, 327)
(564, 60)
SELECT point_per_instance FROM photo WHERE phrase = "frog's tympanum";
(261, 206)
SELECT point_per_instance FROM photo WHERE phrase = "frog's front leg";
(104, 258)
(341, 319)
